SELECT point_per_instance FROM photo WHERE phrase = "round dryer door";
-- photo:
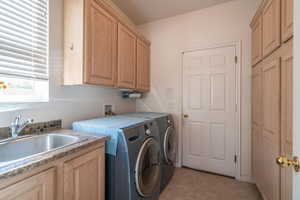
(147, 175)
(169, 148)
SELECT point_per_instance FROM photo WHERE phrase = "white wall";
(72, 102)
(222, 23)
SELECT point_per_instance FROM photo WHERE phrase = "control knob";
(148, 132)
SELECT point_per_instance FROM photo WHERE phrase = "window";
(24, 73)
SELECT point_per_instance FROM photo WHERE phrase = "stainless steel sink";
(29, 146)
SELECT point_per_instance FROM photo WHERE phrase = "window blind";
(24, 38)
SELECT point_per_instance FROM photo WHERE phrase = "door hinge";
(236, 59)
(235, 158)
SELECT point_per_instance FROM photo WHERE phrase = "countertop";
(21, 166)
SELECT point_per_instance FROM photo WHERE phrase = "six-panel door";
(84, 177)
(143, 66)
(126, 58)
(209, 101)
(101, 52)
(38, 187)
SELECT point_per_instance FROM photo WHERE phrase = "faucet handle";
(17, 120)
(30, 120)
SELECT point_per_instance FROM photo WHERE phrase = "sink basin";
(30, 146)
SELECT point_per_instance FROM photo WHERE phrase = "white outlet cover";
(105, 108)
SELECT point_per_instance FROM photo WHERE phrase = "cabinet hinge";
(236, 59)
(235, 158)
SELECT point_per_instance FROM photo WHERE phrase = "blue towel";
(109, 126)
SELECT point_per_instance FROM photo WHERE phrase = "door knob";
(185, 116)
(284, 162)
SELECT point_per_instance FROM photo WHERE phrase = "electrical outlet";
(108, 110)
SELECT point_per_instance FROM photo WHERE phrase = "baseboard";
(247, 179)
(178, 164)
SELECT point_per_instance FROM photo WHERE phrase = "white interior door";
(209, 101)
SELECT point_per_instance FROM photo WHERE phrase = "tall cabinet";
(102, 47)
(272, 72)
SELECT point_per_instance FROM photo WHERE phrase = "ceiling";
(144, 11)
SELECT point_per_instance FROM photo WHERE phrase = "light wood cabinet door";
(101, 46)
(257, 32)
(270, 150)
(84, 177)
(126, 58)
(271, 26)
(143, 66)
(38, 187)
(287, 19)
(256, 95)
(256, 123)
(256, 155)
(287, 119)
(257, 159)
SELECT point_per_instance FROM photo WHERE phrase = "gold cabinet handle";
(185, 116)
(284, 162)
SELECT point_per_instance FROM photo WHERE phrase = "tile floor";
(189, 184)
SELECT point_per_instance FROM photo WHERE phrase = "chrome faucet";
(16, 127)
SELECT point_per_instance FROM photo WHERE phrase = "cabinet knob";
(185, 116)
(284, 162)
(72, 47)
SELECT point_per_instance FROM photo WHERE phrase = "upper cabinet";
(101, 47)
(143, 65)
(271, 26)
(126, 58)
(287, 19)
(257, 31)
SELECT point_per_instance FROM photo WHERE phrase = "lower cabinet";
(84, 177)
(80, 176)
(38, 187)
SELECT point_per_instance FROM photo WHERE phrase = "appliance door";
(169, 146)
(147, 170)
